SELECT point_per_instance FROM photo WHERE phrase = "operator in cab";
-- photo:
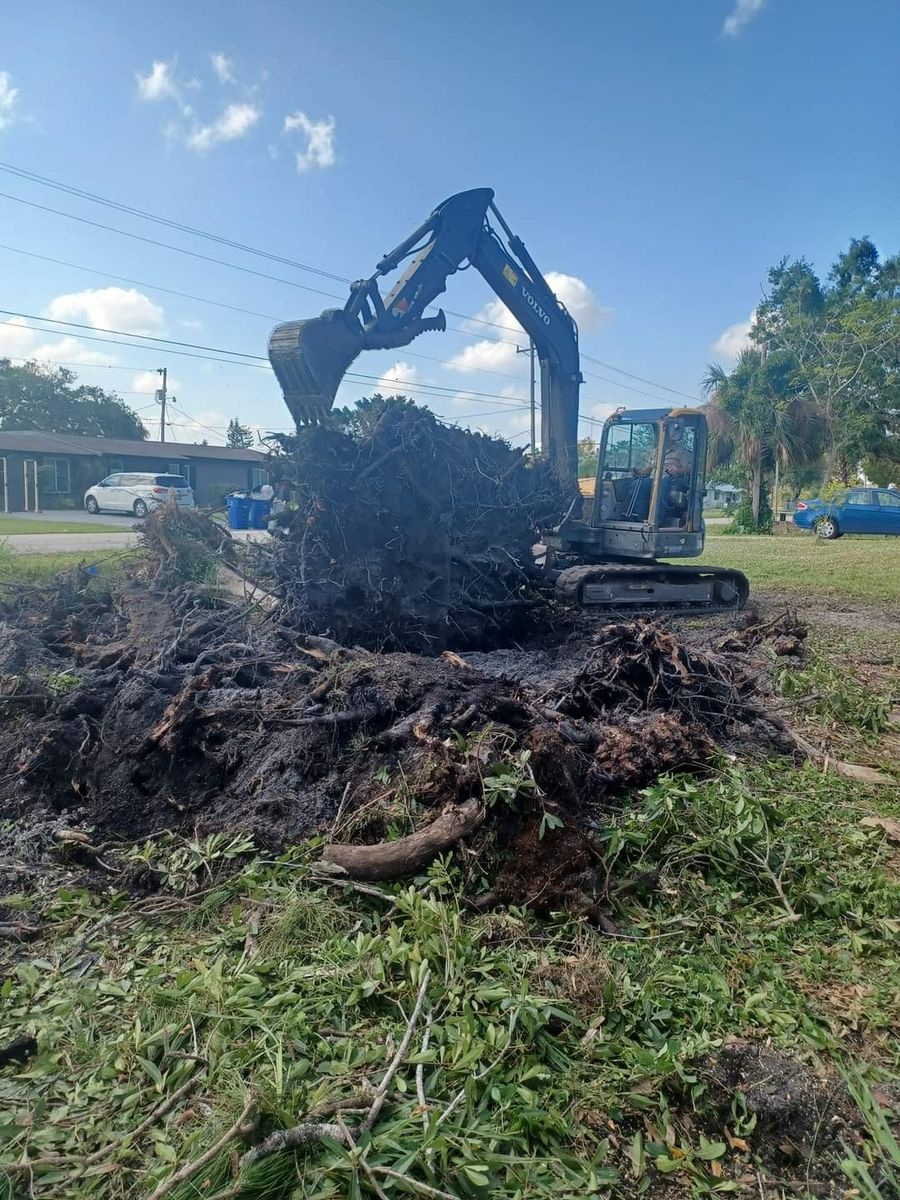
(676, 465)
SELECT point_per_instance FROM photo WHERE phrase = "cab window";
(629, 448)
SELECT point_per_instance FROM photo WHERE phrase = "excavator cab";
(651, 477)
(648, 505)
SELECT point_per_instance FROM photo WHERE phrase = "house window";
(258, 476)
(115, 465)
(53, 477)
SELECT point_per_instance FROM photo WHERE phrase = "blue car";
(858, 510)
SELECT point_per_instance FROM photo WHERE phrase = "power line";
(32, 177)
(266, 254)
(155, 287)
(640, 378)
(58, 362)
(256, 360)
(166, 245)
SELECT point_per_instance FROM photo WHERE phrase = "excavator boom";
(310, 357)
(608, 562)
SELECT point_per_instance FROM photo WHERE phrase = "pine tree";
(239, 436)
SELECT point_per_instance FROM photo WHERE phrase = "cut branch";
(392, 860)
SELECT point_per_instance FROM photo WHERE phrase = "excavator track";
(652, 587)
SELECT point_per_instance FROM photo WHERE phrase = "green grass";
(10, 525)
(860, 568)
(41, 568)
(574, 1057)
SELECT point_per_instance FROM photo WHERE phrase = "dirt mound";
(414, 535)
(168, 714)
(796, 1110)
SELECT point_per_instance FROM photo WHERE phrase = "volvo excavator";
(648, 498)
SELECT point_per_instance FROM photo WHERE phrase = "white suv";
(137, 492)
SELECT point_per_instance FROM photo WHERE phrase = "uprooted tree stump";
(415, 535)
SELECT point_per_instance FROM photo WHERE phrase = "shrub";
(216, 494)
(742, 521)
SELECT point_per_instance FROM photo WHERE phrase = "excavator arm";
(311, 357)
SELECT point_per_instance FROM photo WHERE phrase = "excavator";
(648, 497)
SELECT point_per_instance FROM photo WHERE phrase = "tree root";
(393, 860)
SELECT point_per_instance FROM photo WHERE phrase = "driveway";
(77, 543)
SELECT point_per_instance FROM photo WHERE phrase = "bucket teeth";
(309, 359)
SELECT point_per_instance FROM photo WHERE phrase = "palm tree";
(758, 413)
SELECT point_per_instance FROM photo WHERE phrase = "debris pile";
(378, 688)
(415, 536)
(145, 709)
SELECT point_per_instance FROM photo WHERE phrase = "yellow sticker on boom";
(510, 276)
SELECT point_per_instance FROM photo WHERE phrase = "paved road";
(73, 515)
(90, 543)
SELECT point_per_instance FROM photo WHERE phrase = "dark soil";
(165, 714)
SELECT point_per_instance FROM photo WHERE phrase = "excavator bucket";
(309, 359)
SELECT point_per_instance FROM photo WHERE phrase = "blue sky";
(656, 157)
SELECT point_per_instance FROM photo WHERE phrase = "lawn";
(202, 980)
(23, 525)
(40, 568)
(855, 568)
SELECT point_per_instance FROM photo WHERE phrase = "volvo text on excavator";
(648, 498)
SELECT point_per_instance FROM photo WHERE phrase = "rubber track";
(570, 581)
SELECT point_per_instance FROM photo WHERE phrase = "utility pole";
(161, 394)
(530, 352)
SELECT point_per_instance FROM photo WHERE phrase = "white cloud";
(396, 376)
(159, 83)
(70, 350)
(109, 308)
(16, 338)
(734, 339)
(223, 67)
(146, 381)
(740, 16)
(150, 381)
(8, 99)
(486, 356)
(209, 424)
(318, 149)
(500, 355)
(234, 122)
(600, 412)
(579, 300)
(20, 340)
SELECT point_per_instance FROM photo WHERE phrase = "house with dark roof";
(53, 470)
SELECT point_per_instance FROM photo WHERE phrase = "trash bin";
(238, 509)
(259, 513)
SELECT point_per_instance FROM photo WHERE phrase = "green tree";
(843, 339)
(239, 437)
(758, 414)
(47, 398)
(360, 419)
(587, 458)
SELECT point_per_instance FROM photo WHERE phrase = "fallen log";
(393, 860)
